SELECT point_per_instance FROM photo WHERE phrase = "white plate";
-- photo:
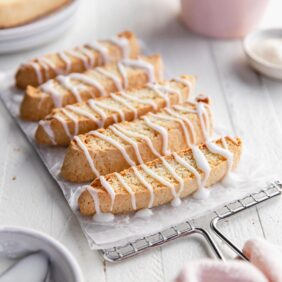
(36, 40)
(40, 25)
(255, 61)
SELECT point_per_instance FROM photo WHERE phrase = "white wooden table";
(250, 105)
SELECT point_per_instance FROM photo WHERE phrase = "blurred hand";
(265, 266)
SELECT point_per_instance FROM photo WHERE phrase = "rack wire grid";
(120, 253)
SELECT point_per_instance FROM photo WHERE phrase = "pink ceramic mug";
(222, 18)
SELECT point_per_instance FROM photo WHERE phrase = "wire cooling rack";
(187, 228)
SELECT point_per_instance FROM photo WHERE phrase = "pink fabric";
(265, 266)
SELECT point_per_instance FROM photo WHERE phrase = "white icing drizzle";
(186, 82)
(48, 130)
(37, 71)
(73, 201)
(45, 69)
(99, 216)
(88, 54)
(125, 103)
(178, 120)
(203, 165)
(98, 47)
(56, 96)
(147, 185)
(162, 131)
(128, 189)
(73, 118)
(216, 149)
(149, 68)
(164, 92)
(94, 107)
(130, 141)
(111, 76)
(48, 62)
(175, 114)
(109, 189)
(139, 100)
(67, 61)
(177, 178)
(184, 109)
(87, 155)
(141, 136)
(190, 168)
(115, 144)
(123, 73)
(160, 179)
(189, 141)
(64, 124)
(90, 81)
(201, 111)
(144, 213)
(80, 56)
(156, 89)
(111, 108)
(123, 44)
(81, 112)
(66, 82)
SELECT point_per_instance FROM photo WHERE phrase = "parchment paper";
(247, 178)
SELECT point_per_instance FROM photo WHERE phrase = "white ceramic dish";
(19, 241)
(39, 32)
(255, 61)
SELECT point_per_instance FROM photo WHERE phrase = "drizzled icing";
(139, 63)
(139, 100)
(111, 76)
(82, 53)
(109, 189)
(98, 47)
(200, 159)
(128, 189)
(162, 131)
(115, 144)
(48, 130)
(56, 96)
(81, 145)
(66, 82)
(125, 103)
(89, 81)
(84, 80)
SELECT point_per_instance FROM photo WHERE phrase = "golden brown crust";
(163, 195)
(86, 124)
(108, 159)
(38, 104)
(23, 12)
(26, 74)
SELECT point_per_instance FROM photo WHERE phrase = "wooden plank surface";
(244, 102)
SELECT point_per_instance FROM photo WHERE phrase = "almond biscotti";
(79, 87)
(126, 144)
(164, 180)
(37, 71)
(63, 124)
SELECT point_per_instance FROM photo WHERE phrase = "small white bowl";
(19, 241)
(254, 60)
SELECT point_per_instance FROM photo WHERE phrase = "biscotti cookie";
(37, 71)
(164, 180)
(77, 87)
(122, 145)
(63, 124)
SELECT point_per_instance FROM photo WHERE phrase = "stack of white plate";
(38, 32)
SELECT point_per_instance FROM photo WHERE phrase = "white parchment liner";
(248, 178)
